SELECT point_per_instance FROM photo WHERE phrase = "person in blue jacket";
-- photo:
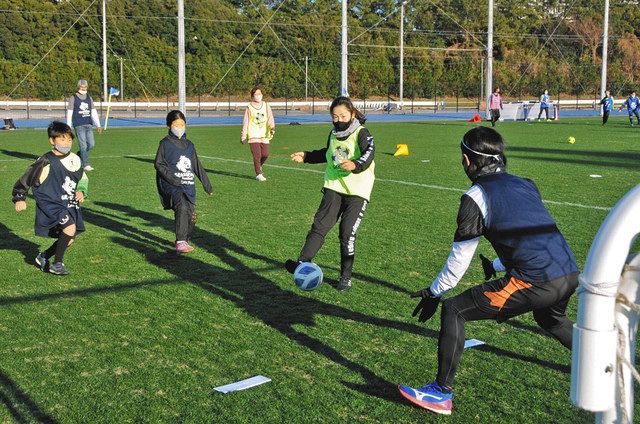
(607, 106)
(545, 100)
(633, 107)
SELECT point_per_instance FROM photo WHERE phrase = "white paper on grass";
(243, 384)
(472, 343)
(595, 176)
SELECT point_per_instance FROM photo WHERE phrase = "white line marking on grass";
(315, 171)
(409, 183)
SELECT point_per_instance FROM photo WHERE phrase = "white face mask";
(83, 92)
(178, 132)
(63, 150)
(257, 98)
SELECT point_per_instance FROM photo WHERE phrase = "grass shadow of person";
(10, 241)
(258, 296)
(19, 155)
(20, 406)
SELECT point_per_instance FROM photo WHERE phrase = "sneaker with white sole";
(261, 177)
(42, 262)
(58, 268)
(88, 168)
(183, 247)
(431, 397)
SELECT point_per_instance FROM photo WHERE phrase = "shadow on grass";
(21, 407)
(19, 155)
(588, 157)
(209, 171)
(10, 241)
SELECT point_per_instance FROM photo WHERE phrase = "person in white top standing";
(83, 116)
(258, 129)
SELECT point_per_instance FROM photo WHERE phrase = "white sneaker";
(88, 168)
(260, 177)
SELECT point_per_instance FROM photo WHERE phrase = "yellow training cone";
(402, 150)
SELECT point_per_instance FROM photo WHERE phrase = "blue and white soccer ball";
(307, 276)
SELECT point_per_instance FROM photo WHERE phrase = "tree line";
(538, 44)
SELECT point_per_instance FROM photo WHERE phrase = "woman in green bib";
(348, 181)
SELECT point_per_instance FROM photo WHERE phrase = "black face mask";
(341, 126)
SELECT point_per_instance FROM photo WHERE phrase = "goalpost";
(604, 336)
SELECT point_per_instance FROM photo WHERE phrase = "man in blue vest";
(541, 271)
(83, 116)
(633, 107)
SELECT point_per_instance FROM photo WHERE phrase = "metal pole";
(343, 61)
(121, 80)
(489, 74)
(182, 95)
(306, 78)
(481, 83)
(605, 45)
(402, 54)
(104, 50)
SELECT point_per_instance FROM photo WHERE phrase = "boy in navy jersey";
(540, 270)
(59, 185)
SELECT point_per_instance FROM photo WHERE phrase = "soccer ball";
(571, 140)
(307, 276)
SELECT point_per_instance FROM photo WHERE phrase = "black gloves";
(487, 267)
(427, 306)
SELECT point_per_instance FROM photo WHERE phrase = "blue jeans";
(85, 141)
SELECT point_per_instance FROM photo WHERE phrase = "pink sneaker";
(183, 247)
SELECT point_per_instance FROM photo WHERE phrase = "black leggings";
(334, 206)
(185, 216)
(500, 300)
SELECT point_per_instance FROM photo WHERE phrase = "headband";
(497, 157)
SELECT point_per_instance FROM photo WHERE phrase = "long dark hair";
(345, 101)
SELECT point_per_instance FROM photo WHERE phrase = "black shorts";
(508, 297)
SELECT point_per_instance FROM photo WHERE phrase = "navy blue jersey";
(82, 111)
(177, 165)
(56, 197)
(521, 230)
(632, 103)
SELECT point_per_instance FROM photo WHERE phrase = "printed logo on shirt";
(84, 110)
(340, 154)
(185, 174)
(69, 187)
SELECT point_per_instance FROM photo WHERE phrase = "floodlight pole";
(343, 61)
(104, 50)
(182, 95)
(402, 54)
(489, 74)
(306, 78)
(121, 80)
(605, 46)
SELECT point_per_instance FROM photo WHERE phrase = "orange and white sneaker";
(183, 247)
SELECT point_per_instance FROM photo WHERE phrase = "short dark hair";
(486, 141)
(57, 128)
(175, 115)
(345, 101)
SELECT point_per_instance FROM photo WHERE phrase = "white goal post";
(604, 335)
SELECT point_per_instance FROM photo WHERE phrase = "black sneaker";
(487, 267)
(291, 265)
(42, 262)
(344, 284)
(58, 268)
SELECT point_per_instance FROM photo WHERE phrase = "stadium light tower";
(605, 46)
(343, 61)
(489, 74)
(104, 50)
(182, 90)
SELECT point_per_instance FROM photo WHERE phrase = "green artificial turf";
(137, 334)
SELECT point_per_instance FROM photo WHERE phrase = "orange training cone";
(401, 150)
(476, 118)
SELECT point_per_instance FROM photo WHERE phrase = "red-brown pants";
(260, 152)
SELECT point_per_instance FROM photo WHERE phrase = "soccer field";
(137, 334)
